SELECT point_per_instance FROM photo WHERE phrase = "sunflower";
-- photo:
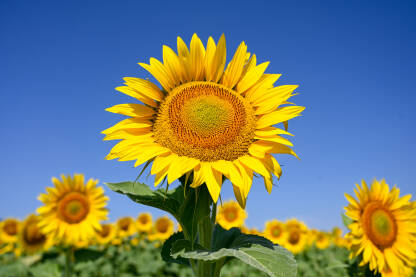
(322, 240)
(144, 222)
(72, 209)
(9, 229)
(230, 214)
(31, 239)
(106, 234)
(205, 120)
(383, 228)
(162, 229)
(275, 231)
(125, 227)
(296, 238)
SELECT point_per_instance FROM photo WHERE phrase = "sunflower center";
(276, 232)
(124, 224)
(162, 226)
(379, 225)
(10, 227)
(205, 120)
(73, 207)
(105, 231)
(143, 219)
(231, 215)
(32, 234)
(294, 237)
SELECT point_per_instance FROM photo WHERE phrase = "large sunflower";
(230, 214)
(72, 209)
(31, 239)
(206, 120)
(383, 228)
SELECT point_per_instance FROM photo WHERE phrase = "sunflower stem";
(69, 259)
(205, 228)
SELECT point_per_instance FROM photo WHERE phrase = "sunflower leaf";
(346, 220)
(166, 248)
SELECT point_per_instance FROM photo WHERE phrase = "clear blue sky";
(354, 61)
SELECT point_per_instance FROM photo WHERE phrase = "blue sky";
(354, 62)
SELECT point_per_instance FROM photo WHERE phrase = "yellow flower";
(144, 222)
(125, 227)
(31, 239)
(205, 120)
(9, 229)
(383, 228)
(162, 229)
(230, 214)
(106, 234)
(72, 209)
(322, 240)
(275, 231)
(296, 238)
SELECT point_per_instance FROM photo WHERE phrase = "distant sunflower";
(230, 214)
(322, 240)
(31, 239)
(275, 231)
(297, 238)
(144, 222)
(9, 229)
(125, 227)
(162, 229)
(106, 234)
(72, 209)
(383, 228)
(205, 119)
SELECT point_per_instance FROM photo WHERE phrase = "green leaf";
(45, 270)
(167, 247)
(277, 262)
(85, 255)
(346, 220)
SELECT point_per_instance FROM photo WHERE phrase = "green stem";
(205, 228)
(69, 259)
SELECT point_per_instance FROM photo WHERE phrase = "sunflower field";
(202, 123)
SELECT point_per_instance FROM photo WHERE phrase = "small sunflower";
(297, 237)
(230, 214)
(144, 222)
(210, 119)
(275, 231)
(9, 229)
(72, 209)
(125, 227)
(106, 234)
(383, 228)
(322, 240)
(31, 239)
(162, 229)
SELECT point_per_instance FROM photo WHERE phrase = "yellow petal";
(149, 153)
(196, 59)
(278, 116)
(219, 60)
(173, 65)
(134, 110)
(234, 69)
(260, 88)
(180, 166)
(251, 77)
(239, 196)
(145, 87)
(213, 180)
(158, 70)
(209, 59)
(139, 96)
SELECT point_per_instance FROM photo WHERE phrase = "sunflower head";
(322, 240)
(106, 234)
(72, 209)
(125, 227)
(144, 222)
(275, 231)
(31, 238)
(207, 118)
(383, 228)
(296, 240)
(9, 229)
(162, 229)
(230, 214)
